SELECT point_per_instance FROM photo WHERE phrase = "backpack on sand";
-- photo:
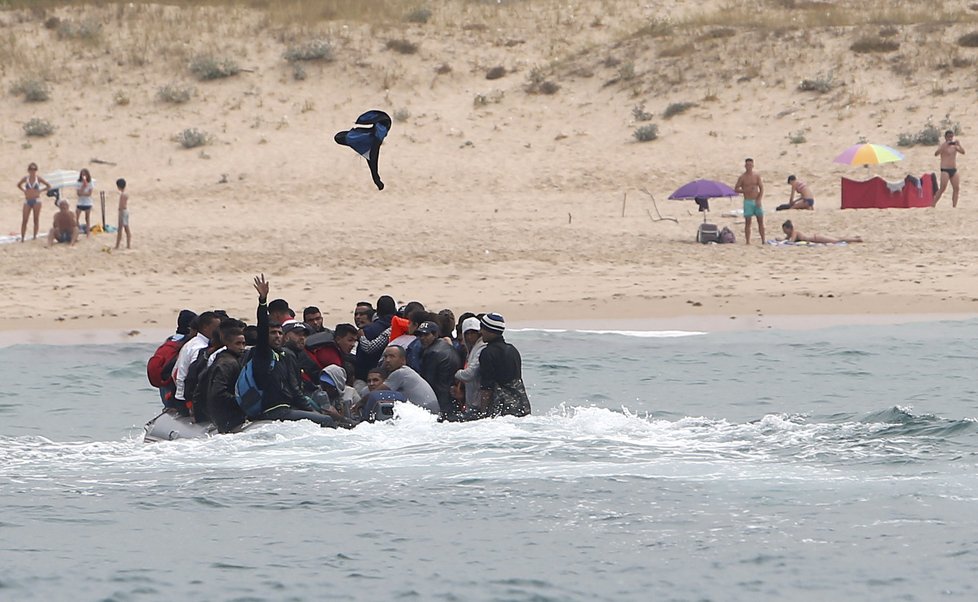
(727, 236)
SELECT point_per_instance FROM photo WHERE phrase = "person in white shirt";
(207, 323)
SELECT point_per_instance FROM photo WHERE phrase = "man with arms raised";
(281, 398)
(750, 185)
(948, 152)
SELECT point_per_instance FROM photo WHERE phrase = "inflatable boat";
(170, 427)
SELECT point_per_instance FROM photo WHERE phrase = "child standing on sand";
(123, 214)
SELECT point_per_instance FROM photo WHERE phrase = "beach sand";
(497, 199)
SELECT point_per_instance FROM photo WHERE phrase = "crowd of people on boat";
(220, 370)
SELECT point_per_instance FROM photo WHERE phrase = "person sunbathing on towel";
(797, 236)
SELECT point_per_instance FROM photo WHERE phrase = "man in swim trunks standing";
(750, 185)
(948, 152)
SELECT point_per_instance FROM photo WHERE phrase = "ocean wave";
(568, 442)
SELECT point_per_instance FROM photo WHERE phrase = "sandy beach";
(499, 197)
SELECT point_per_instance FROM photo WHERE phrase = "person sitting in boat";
(294, 335)
(207, 324)
(368, 408)
(401, 378)
(374, 337)
(469, 376)
(501, 372)
(439, 362)
(334, 348)
(335, 398)
(281, 398)
(222, 405)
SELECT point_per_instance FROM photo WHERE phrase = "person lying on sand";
(797, 236)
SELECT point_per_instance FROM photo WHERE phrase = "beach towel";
(788, 243)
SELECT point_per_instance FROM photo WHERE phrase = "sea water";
(832, 464)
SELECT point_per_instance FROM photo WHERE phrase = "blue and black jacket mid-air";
(366, 138)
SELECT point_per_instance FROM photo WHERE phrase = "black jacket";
(221, 402)
(439, 363)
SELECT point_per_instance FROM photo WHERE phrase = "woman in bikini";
(797, 236)
(31, 186)
(85, 200)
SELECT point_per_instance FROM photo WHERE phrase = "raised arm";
(263, 349)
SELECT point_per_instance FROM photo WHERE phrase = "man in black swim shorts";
(948, 152)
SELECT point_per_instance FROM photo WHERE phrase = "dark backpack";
(727, 236)
(159, 368)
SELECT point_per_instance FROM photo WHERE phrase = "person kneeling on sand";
(65, 227)
(805, 200)
(795, 235)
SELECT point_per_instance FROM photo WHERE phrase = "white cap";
(471, 324)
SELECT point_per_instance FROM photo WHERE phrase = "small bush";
(677, 108)
(494, 97)
(797, 137)
(38, 127)
(866, 45)
(298, 72)
(401, 115)
(888, 31)
(313, 50)
(207, 67)
(539, 84)
(677, 50)
(640, 114)
(626, 71)
(175, 93)
(969, 40)
(656, 28)
(820, 84)
(930, 135)
(443, 69)
(402, 46)
(646, 133)
(419, 15)
(719, 33)
(192, 138)
(33, 89)
(85, 30)
(496, 72)
(121, 98)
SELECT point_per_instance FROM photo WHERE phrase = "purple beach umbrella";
(706, 189)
